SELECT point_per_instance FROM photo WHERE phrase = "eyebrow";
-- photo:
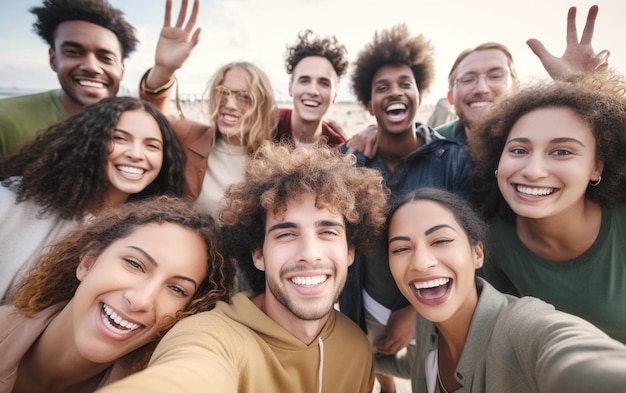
(318, 224)
(154, 262)
(75, 44)
(426, 232)
(555, 140)
(130, 134)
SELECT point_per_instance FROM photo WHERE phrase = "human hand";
(175, 43)
(365, 141)
(400, 331)
(579, 57)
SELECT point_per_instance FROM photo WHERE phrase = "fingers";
(538, 48)
(572, 33)
(181, 14)
(193, 17)
(589, 26)
(195, 38)
(168, 13)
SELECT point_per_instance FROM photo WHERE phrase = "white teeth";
(479, 104)
(130, 170)
(431, 284)
(534, 191)
(110, 315)
(85, 83)
(310, 103)
(230, 118)
(396, 107)
(309, 281)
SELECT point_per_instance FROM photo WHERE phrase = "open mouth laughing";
(115, 323)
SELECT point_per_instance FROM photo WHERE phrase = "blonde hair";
(259, 122)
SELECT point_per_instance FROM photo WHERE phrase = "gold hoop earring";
(495, 173)
(594, 183)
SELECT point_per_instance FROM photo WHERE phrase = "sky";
(260, 30)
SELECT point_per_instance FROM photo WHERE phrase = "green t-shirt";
(22, 117)
(592, 286)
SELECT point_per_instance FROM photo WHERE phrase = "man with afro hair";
(388, 78)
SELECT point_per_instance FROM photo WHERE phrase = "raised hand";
(175, 43)
(579, 57)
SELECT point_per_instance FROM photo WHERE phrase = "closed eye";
(179, 290)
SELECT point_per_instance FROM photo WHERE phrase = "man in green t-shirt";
(88, 42)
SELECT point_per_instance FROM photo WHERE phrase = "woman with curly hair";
(550, 175)
(116, 150)
(94, 305)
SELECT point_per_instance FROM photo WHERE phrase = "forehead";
(430, 213)
(236, 79)
(302, 211)
(139, 123)
(482, 61)
(393, 72)
(87, 34)
(550, 123)
(314, 67)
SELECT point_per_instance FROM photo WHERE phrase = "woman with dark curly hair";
(116, 150)
(550, 174)
(94, 305)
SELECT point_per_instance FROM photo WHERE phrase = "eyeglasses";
(492, 78)
(241, 96)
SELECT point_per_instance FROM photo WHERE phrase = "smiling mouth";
(432, 289)
(309, 281)
(86, 83)
(115, 323)
(310, 103)
(535, 191)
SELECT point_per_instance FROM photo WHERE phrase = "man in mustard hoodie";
(293, 227)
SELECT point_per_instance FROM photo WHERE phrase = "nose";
(313, 89)
(309, 249)
(481, 83)
(423, 260)
(534, 167)
(135, 151)
(141, 297)
(91, 64)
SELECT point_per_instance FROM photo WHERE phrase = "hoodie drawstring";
(320, 372)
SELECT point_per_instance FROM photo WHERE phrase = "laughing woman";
(550, 172)
(472, 338)
(116, 150)
(91, 309)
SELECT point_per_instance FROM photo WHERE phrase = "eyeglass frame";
(241, 96)
(476, 77)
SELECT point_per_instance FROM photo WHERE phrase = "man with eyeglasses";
(482, 76)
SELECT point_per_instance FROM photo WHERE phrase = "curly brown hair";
(64, 168)
(279, 172)
(309, 45)
(598, 99)
(54, 12)
(52, 279)
(394, 46)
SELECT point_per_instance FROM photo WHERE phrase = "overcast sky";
(259, 30)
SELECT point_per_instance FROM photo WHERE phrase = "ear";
(290, 87)
(369, 108)
(257, 258)
(351, 255)
(598, 169)
(85, 265)
(52, 59)
(450, 97)
(123, 71)
(478, 255)
(515, 86)
(334, 97)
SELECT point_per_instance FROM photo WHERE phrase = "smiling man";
(89, 41)
(390, 75)
(315, 65)
(293, 227)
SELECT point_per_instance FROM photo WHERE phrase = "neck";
(563, 237)
(394, 148)
(55, 362)
(304, 330)
(69, 104)
(305, 131)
